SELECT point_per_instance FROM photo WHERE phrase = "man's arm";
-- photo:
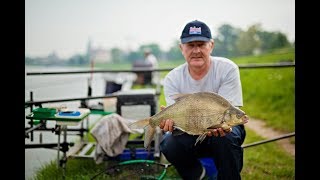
(231, 88)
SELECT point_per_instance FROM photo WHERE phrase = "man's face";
(197, 53)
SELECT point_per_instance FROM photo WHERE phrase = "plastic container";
(127, 154)
(69, 113)
(211, 170)
(36, 121)
(44, 112)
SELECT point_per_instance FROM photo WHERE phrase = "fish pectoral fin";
(224, 126)
(214, 127)
(201, 138)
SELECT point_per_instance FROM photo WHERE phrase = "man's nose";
(196, 49)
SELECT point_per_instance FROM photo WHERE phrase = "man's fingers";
(209, 133)
(168, 125)
(162, 123)
(215, 132)
(221, 132)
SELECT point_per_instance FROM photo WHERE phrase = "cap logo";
(195, 30)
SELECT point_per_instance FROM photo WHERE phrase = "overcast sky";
(65, 26)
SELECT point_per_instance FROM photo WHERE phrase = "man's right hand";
(166, 125)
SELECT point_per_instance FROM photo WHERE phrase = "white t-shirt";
(150, 58)
(223, 78)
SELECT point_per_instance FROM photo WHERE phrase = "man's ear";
(180, 46)
(212, 45)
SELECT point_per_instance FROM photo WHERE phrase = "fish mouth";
(245, 118)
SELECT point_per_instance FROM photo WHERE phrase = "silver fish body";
(195, 114)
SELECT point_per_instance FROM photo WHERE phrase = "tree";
(225, 40)
(249, 41)
(116, 55)
(134, 56)
(174, 52)
(272, 40)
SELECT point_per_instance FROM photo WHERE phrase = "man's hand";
(166, 125)
(218, 131)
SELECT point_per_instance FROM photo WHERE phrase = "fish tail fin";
(139, 124)
(149, 132)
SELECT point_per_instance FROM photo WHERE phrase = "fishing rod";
(37, 103)
(269, 140)
(143, 70)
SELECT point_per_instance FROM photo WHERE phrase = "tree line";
(229, 42)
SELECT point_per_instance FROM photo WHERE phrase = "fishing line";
(136, 169)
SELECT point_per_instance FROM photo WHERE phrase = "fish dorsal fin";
(214, 96)
(178, 97)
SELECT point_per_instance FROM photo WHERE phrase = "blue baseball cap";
(195, 31)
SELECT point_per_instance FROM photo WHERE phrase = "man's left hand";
(218, 131)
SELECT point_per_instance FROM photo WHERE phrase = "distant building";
(99, 54)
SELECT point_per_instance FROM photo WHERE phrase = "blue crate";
(139, 153)
(211, 170)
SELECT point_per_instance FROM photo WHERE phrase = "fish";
(195, 114)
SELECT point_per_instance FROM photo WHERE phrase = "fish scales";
(193, 117)
(195, 114)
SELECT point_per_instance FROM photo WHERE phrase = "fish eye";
(238, 116)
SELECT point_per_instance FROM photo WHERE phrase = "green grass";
(267, 161)
(268, 94)
(280, 55)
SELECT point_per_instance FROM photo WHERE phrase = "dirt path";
(262, 130)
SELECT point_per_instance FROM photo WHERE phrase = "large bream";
(194, 114)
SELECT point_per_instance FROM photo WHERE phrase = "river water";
(49, 87)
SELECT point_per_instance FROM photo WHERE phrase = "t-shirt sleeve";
(230, 87)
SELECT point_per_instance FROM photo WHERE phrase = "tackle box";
(137, 97)
(44, 112)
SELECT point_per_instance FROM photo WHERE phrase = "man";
(203, 72)
(153, 62)
(150, 58)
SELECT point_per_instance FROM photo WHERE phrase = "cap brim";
(194, 38)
